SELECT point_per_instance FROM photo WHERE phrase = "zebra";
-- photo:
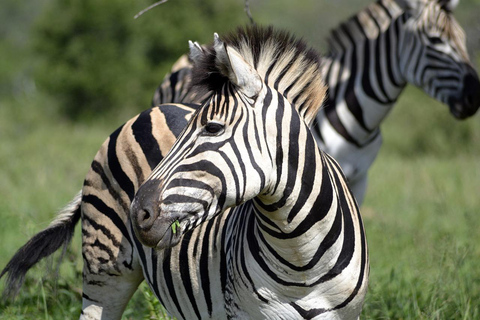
(246, 176)
(198, 271)
(371, 58)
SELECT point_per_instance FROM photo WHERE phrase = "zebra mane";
(361, 25)
(282, 61)
(427, 12)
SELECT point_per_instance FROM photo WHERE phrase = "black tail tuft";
(41, 245)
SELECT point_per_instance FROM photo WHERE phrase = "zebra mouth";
(466, 103)
(171, 236)
(173, 228)
(459, 111)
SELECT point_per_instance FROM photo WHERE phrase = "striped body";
(371, 58)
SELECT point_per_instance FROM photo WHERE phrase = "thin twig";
(150, 7)
(247, 10)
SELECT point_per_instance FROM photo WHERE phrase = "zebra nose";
(145, 209)
(471, 92)
(144, 215)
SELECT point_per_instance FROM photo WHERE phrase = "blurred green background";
(72, 71)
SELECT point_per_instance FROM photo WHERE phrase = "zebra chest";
(189, 279)
(213, 274)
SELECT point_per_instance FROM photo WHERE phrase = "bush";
(94, 57)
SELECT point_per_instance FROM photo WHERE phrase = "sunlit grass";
(422, 224)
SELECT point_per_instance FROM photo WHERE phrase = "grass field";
(421, 211)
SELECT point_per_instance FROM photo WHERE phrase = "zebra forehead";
(436, 18)
(281, 60)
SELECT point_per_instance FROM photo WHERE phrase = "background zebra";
(371, 57)
(334, 252)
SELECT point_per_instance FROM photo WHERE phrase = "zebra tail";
(43, 244)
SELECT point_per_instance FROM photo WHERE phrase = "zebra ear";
(196, 51)
(448, 5)
(412, 6)
(232, 65)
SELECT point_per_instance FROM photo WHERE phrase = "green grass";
(421, 215)
(422, 223)
(421, 211)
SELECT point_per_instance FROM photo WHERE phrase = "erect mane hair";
(283, 62)
(359, 26)
(445, 24)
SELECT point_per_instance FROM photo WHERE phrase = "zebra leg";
(111, 273)
(359, 187)
(106, 296)
(111, 269)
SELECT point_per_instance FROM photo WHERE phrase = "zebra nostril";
(144, 215)
(145, 218)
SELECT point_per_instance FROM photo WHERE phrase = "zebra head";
(227, 153)
(433, 55)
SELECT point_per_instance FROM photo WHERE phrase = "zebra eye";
(213, 128)
(435, 40)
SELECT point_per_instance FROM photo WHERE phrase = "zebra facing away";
(244, 218)
(371, 57)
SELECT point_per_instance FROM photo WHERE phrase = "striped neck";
(300, 197)
(363, 65)
(368, 23)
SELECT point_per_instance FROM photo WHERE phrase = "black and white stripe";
(263, 219)
(371, 58)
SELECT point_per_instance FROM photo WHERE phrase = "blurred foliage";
(94, 57)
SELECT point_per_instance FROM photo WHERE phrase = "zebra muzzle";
(153, 227)
(467, 103)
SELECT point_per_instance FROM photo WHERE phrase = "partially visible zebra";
(371, 58)
(305, 253)
(276, 231)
